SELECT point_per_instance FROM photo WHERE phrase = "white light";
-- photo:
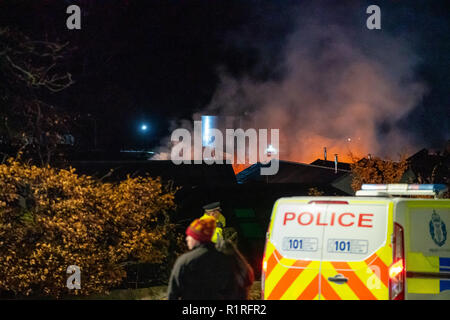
(271, 149)
(144, 127)
(207, 127)
(208, 124)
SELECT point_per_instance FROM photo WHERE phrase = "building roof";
(330, 164)
(292, 172)
(430, 167)
(181, 175)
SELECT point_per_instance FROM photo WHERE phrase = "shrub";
(314, 192)
(376, 170)
(51, 219)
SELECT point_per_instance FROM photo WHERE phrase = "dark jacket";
(242, 271)
(203, 273)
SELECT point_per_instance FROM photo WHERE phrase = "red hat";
(202, 229)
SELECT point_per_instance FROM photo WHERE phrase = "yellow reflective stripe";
(342, 290)
(302, 281)
(379, 270)
(416, 261)
(269, 249)
(272, 218)
(428, 203)
(425, 286)
(277, 273)
(385, 254)
(294, 289)
(390, 224)
(370, 279)
(375, 284)
(361, 269)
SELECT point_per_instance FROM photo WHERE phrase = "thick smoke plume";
(340, 87)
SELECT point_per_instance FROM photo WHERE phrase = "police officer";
(214, 210)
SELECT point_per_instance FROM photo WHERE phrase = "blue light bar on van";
(436, 190)
(434, 187)
(374, 187)
(327, 202)
(404, 187)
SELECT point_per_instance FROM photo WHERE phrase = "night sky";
(157, 61)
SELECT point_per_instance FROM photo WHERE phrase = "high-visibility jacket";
(220, 224)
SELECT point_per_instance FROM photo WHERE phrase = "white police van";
(375, 245)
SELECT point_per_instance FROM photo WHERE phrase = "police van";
(374, 245)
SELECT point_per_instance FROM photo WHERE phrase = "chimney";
(369, 156)
(325, 153)
(335, 163)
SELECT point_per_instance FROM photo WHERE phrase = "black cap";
(212, 206)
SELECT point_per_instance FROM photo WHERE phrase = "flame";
(240, 167)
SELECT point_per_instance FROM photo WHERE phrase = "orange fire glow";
(315, 150)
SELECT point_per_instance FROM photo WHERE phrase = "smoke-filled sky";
(336, 85)
(310, 68)
(327, 81)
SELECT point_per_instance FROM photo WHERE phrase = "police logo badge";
(438, 230)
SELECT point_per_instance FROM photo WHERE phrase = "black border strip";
(428, 275)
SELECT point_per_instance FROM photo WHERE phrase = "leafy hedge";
(376, 170)
(51, 219)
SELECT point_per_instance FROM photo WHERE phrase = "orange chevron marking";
(287, 279)
(375, 260)
(311, 290)
(354, 282)
(271, 262)
(327, 291)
